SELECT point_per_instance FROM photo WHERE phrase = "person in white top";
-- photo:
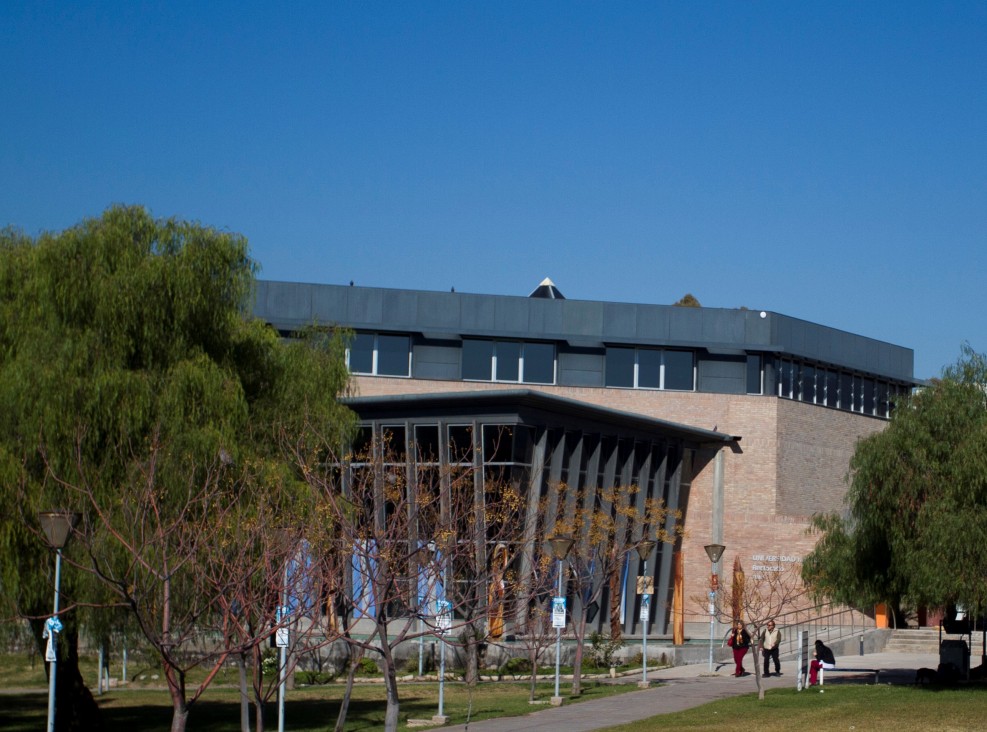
(822, 657)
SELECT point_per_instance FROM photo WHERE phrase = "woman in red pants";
(740, 641)
(822, 657)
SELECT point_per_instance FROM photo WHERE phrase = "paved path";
(684, 687)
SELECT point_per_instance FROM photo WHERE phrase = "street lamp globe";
(714, 552)
(57, 526)
(560, 545)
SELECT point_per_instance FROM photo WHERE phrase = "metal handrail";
(826, 622)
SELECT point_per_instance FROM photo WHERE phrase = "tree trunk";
(472, 657)
(179, 718)
(756, 656)
(579, 631)
(176, 689)
(241, 667)
(616, 629)
(259, 715)
(534, 673)
(391, 684)
(258, 687)
(75, 707)
(344, 703)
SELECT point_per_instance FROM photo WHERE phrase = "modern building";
(742, 420)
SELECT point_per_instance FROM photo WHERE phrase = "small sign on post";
(645, 607)
(558, 612)
(281, 634)
(645, 585)
(443, 616)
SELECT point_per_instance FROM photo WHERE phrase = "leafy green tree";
(126, 346)
(688, 300)
(915, 526)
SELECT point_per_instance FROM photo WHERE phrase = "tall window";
(379, 355)
(846, 391)
(832, 389)
(755, 383)
(883, 399)
(650, 368)
(513, 361)
(808, 383)
(786, 383)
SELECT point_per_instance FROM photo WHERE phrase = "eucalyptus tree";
(129, 366)
(915, 526)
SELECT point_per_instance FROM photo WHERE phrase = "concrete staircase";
(925, 640)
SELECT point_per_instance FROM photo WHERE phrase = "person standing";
(740, 641)
(770, 646)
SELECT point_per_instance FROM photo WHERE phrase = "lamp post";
(443, 620)
(57, 526)
(714, 552)
(423, 604)
(560, 546)
(644, 551)
(447, 620)
(281, 635)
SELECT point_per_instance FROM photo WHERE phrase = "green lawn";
(308, 709)
(853, 707)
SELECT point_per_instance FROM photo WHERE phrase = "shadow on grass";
(306, 709)
(28, 713)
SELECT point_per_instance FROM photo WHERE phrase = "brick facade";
(792, 463)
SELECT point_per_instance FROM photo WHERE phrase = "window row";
(379, 354)
(482, 360)
(528, 362)
(514, 361)
(650, 368)
(837, 389)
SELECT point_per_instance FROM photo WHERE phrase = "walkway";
(684, 687)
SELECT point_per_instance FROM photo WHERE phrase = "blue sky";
(823, 160)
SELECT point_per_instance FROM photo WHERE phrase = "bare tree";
(606, 526)
(759, 597)
(532, 611)
(393, 527)
(200, 566)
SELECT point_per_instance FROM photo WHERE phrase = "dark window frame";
(376, 361)
(615, 373)
(517, 367)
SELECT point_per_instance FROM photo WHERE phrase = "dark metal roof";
(583, 323)
(532, 402)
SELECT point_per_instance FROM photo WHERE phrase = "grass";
(855, 707)
(306, 709)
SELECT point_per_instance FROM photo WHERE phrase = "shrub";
(368, 667)
(314, 678)
(517, 666)
(411, 665)
(603, 648)
(270, 662)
